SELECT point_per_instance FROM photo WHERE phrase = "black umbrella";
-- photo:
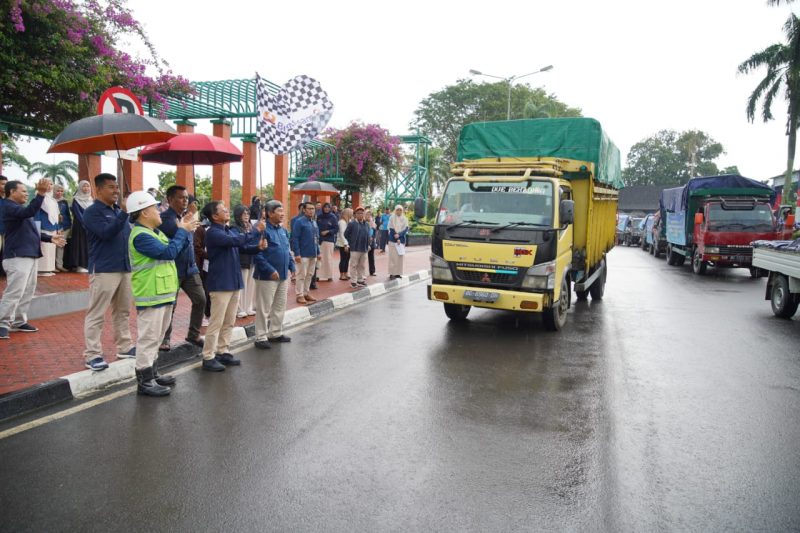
(112, 131)
(315, 188)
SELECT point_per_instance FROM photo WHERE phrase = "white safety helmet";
(139, 200)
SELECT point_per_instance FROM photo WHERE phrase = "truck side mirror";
(698, 219)
(566, 211)
(419, 208)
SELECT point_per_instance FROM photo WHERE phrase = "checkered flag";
(291, 118)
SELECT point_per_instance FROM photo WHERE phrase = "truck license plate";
(482, 296)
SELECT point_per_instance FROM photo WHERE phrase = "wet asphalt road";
(671, 405)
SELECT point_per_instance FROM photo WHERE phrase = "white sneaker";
(241, 315)
(205, 322)
(81, 270)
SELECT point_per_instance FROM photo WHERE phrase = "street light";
(510, 81)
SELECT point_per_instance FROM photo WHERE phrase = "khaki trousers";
(108, 289)
(270, 307)
(305, 274)
(358, 266)
(20, 287)
(326, 270)
(395, 261)
(151, 324)
(220, 325)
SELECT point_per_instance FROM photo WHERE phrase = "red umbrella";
(192, 149)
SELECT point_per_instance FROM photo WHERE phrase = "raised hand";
(262, 244)
(43, 185)
(261, 225)
(189, 223)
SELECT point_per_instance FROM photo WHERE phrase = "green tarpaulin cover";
(570, 138)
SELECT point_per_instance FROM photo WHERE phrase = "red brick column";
(282, 186)
(134, 176)
(184, 174)
(249, 162)
(221, 174)
(356, 199)
(88, 168)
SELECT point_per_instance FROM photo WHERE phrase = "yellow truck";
(527, 217)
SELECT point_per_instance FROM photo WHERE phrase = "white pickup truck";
(782, 260)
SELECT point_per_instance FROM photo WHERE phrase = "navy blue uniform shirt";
(185, 262)
(107, 230)
(22, 237)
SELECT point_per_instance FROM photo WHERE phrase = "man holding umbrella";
(107, 230)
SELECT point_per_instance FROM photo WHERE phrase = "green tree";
(782, 62)
(61, 172)
(368, 154)
(442, 114)
(730, 170)
(669, 157)
(11, 155)
(58, 56)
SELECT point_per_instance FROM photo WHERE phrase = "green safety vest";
(154, 281)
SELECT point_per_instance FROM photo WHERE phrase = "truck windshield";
(525, 204)
(758, 219)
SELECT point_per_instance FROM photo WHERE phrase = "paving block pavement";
(34, 367)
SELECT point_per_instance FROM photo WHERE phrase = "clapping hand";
(261, 226)
(43, 186)
(58, 239)
(262, 244)
(189, 223)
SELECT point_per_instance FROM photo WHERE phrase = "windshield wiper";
(511, 224)
(465, 222)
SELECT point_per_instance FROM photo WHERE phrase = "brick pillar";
(282, 186)
(88, 168)
(249, 162)
(356, 199)
(184, 174)
(133, 171)
(221, 174)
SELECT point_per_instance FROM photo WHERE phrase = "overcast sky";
(636, 66)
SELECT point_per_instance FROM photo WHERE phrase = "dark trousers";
(193, 287)
(371, 259)
(344, 260)
(383, 238)
(203, 278)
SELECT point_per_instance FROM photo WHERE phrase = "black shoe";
(262, 345)
(167, 381)
(199, 342)
(282, 338)
(147, 385)
(212, 365)
(227, 359)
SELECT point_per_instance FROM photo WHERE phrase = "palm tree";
(60, 172)
(782, 61)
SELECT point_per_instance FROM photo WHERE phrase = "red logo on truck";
(522, 251)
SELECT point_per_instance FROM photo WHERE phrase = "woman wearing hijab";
(76, 254)
(48, 220)
(342, 245)
(241, 218)
(398, 230)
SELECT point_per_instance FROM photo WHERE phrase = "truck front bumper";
(528, 302)
(730, 261)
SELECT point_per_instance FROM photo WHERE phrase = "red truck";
(712, 221)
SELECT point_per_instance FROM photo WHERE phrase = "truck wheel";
(698, 265)
(582, 295)
(598, 288)
(672, 257)
(656, 251)
(784, 304)
(754, 273)
(456, 311)
(555, 317)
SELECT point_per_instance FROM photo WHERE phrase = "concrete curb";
(86, 382)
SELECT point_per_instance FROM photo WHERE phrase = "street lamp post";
(510, 80)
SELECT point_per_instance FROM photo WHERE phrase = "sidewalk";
(56, 350)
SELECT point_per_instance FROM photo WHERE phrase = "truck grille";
(478, 277)
(736, 250)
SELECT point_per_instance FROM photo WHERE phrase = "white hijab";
(84, 199)
(50, 206)
(398, 223)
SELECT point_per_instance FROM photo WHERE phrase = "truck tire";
(698, 265)
(556, 317)
(598, 288)
(672, 257)
(784, 303)
(456, 311)
(656, 251)
(582, 295)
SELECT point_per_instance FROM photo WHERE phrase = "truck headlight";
(711, 250)
(541, 276)
(440, 269)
